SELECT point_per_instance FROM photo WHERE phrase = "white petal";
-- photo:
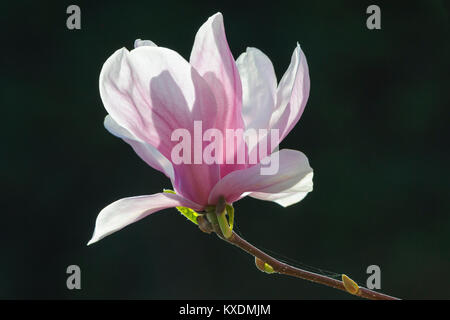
(293, 175)
(151, 92)
(259, 85)
(292, 94)
(289, 196)
(126, 211)
(140, 43)
(147, 152)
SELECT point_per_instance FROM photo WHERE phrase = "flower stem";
(283, 268)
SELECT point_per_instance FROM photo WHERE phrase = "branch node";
(350, 285)
(263, 266)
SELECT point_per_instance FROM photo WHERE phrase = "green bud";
(263, 266)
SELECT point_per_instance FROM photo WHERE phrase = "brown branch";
(286, 269)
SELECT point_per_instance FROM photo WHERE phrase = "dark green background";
(374, 130)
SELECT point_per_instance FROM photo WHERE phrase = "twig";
(215, 221)
(286, 269)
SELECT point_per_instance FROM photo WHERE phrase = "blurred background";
(375, 130)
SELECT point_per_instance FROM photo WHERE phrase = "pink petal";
(147, 152)
(292, 95)
(294, 175)
(151, 91)
(212, 58)
(126, 211)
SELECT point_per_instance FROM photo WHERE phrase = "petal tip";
(143, 43)
(218, 14)
(215, 19)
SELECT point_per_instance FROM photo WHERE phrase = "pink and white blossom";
(151, 91)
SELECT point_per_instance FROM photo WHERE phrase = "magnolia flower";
(151, 91)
